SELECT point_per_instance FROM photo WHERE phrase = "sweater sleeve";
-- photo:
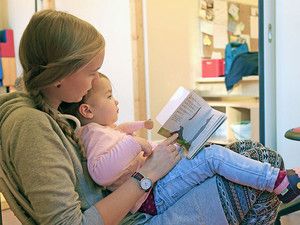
(131, 127)
(108, 157)
(44, 163)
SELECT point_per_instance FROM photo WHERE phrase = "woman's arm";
(114, 207)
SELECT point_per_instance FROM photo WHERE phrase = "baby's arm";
(131, 127)
(106, 163)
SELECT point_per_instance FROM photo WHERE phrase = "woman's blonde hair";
(54, 45)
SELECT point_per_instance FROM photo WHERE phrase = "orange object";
(9, 71)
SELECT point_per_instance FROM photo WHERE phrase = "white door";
(288, 78)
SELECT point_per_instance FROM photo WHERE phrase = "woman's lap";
(195, 207)
(218, 200)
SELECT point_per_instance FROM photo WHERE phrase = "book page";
(194, 121)
(174, 102)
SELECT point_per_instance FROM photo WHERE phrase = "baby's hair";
(54, 45)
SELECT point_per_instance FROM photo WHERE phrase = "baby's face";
(103, 105)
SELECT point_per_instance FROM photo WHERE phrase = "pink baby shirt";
(113, 155)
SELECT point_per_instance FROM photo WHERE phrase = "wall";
(3, 14)
(288, 77)
(19, 13)
(173, 41)
(112, 19)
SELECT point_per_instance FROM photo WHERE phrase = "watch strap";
(137, 176)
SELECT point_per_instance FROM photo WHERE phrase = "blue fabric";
(212, 160)
(232, 50)
(244, 64)
(2, 35)
(201, 205)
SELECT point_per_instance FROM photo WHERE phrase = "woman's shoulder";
(18, 108)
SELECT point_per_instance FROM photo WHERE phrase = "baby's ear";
(85, 111)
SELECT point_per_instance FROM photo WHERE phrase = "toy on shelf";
(7, 48)
(8, 72)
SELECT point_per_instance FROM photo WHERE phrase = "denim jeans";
(209, 161)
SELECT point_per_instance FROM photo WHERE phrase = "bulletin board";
(224, 21)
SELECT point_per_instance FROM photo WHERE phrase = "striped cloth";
(244, 205)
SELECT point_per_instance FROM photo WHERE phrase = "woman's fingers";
(170, 140)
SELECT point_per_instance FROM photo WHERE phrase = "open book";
(189, 115)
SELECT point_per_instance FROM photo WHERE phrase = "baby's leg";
(208, 162)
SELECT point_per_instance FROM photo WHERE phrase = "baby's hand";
(148, 124)
(146, 147)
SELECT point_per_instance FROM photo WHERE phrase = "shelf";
(247, 104)
(215, 87)
(239, 104)
(222, 79)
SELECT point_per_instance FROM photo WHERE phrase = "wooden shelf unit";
(240, 104)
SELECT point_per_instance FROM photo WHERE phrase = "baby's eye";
(109, 97)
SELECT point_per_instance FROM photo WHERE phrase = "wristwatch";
(144, 182)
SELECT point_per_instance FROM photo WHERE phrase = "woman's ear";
(85, 111)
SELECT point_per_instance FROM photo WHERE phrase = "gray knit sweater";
(45, 165)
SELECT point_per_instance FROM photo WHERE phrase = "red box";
(7, 43)
(213, 67)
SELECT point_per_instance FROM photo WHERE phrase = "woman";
(60, 55)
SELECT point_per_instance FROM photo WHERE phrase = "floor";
(292, 219)
(10, 219)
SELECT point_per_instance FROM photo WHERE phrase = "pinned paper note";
(210, 3)
(203, 4)
(216, 55)
(207, 27)
(202, 14)
(253, 26)
(233, 38)
(210, 14)
(234, 11)
(206, 40)
(245, 38)
(239, 28)
(220, 12)
(231, 26)
(254, 11)
(220, 36)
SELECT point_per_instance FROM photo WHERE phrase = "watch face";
(146, 183)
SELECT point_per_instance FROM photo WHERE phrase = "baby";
(115, 154)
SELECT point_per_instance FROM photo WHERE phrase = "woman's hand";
(164, 157)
